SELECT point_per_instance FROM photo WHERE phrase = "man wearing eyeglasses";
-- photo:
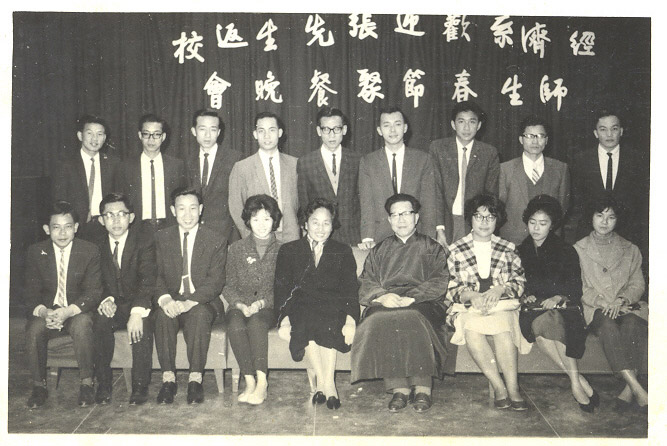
(529, 175)
(149, 178)
(129, 270)
(333, 173)
(268, 172)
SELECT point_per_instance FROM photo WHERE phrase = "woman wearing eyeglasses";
(529, 175)
(486, 281)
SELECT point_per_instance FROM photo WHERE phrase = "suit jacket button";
(604, 270)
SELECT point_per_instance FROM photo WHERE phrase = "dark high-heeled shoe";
(333, 403)
(319, 398)
(588, 408)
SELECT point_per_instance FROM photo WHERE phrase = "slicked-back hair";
(547, 204)
(91, 119)
(61, 207)
(533, 120)
(184, 190)
(603, 113)
(266, 114)
(115, 197)
(211, 113)
(466, 106)
(491, 202)
(328, 112)
(397, 198)
(389, 110)
(256, 203)
(150, 117)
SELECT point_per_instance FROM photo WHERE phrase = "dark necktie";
(272, 178)
(333, 165)
(609, 186)
(394, 178)
(317, 252)
(153, 202)
(464, 171)
(186, 270)
(91, 187)
(204, 173)
(116, 263)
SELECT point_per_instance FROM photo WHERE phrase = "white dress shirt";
(94, 205)
(192, 235)
(160, 211)
(458, 200)
(327, 157)
(400, 156)
(604, 159)
(211, 158)
(264, 158)
(529, 164)
(56, 251)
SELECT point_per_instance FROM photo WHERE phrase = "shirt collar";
(192, 233)
(529, 162)
(326, 152)
(264, 156)
(603, 152)
(213, 150)
(147, 159)
(398, 153)
(67, 248)
(87, 157)
(405, 240)
(459, 145)
(121, 241)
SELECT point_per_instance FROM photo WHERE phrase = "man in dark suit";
(85, 177)
(391, 170)
(129, 270)
(333, 173)
(191, 274)
(454, 185)
(149, 178)
(62, 289)
(208, 170)
(608, 169)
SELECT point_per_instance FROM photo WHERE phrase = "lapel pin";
(44, 253)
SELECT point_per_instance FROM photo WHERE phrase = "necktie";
(272, 177)
(394, 178)
(204, 173)
(116, 264)
(153, 202)
(535, 177)
(464, 171)
(609, 185)
(317, 252)
(91, 186)
(333, 165)
(186, 270)
(60, 297)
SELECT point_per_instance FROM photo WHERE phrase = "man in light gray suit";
(266, 172)
(388, 171)
(529, 175)
(454, 187)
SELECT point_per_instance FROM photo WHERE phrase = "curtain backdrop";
(121, 66)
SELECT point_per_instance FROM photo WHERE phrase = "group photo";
(326, 224)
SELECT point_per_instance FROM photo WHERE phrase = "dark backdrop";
(120, 66)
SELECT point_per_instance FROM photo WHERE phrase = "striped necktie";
(272, 178)
(535, 176)
(62, 279)
(186, 269)
(464, 171)
(91, 187)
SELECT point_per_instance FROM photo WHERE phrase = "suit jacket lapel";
(344, 176)
(197, 253)
(217, 165)
(321, 172)
(193, 166)
(128, 250)
(72, 266)
(106, 174)
(407, 177)
(384, 171)
(472, 157)
(520, 177)
(81, 172)
(261, 174)
(452, 165)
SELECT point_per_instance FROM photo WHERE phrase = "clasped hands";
(173, 308)
(393, 300)
(613, 309)
(486, 301)
(249, 310)
(348, 330)
(55, 318)
(547, 304)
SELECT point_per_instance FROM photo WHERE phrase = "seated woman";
(553, 278)
(613, 284)
(316, 294)
(251, 264)
(483, 270)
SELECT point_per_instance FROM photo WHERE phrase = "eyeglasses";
(112, 215)
(156, 135)
(532, 136)
(337, 130)
(396, 216)
(480, 218)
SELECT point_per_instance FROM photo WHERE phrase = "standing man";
(129, 269)
(84, 178)
(530, 175)
(208, 170)
(333, 173)
(464, 167)
(62, 289)
(391, 170)
(267, 172)
(191, 273)
(149, 178)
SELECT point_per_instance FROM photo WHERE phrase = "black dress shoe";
(38, 397)
(86, 395)
(519, 405)
(422, 402)
(588, 408)
(503, 403)
(195, 392)
(139, 396)
(103, 394)
(319, 398)
(166, 393)
(333, 403)
(398, 402)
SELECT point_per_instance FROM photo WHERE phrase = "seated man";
(191, 274)
(62, 289)
(129, 269)
(402, 337)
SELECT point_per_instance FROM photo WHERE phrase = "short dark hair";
(491, 202)
(547, 204)
(266, 114)
(397, 198)
(256, 203)
(534, 120)
(328, 112)
(306, 211)
(183, 190)
(468, 106)
(61, 207)
(211, 113)
(602, 203)
(91, 119)
(115, 197)
(391, 109)
(603, 113)
(150, 117)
